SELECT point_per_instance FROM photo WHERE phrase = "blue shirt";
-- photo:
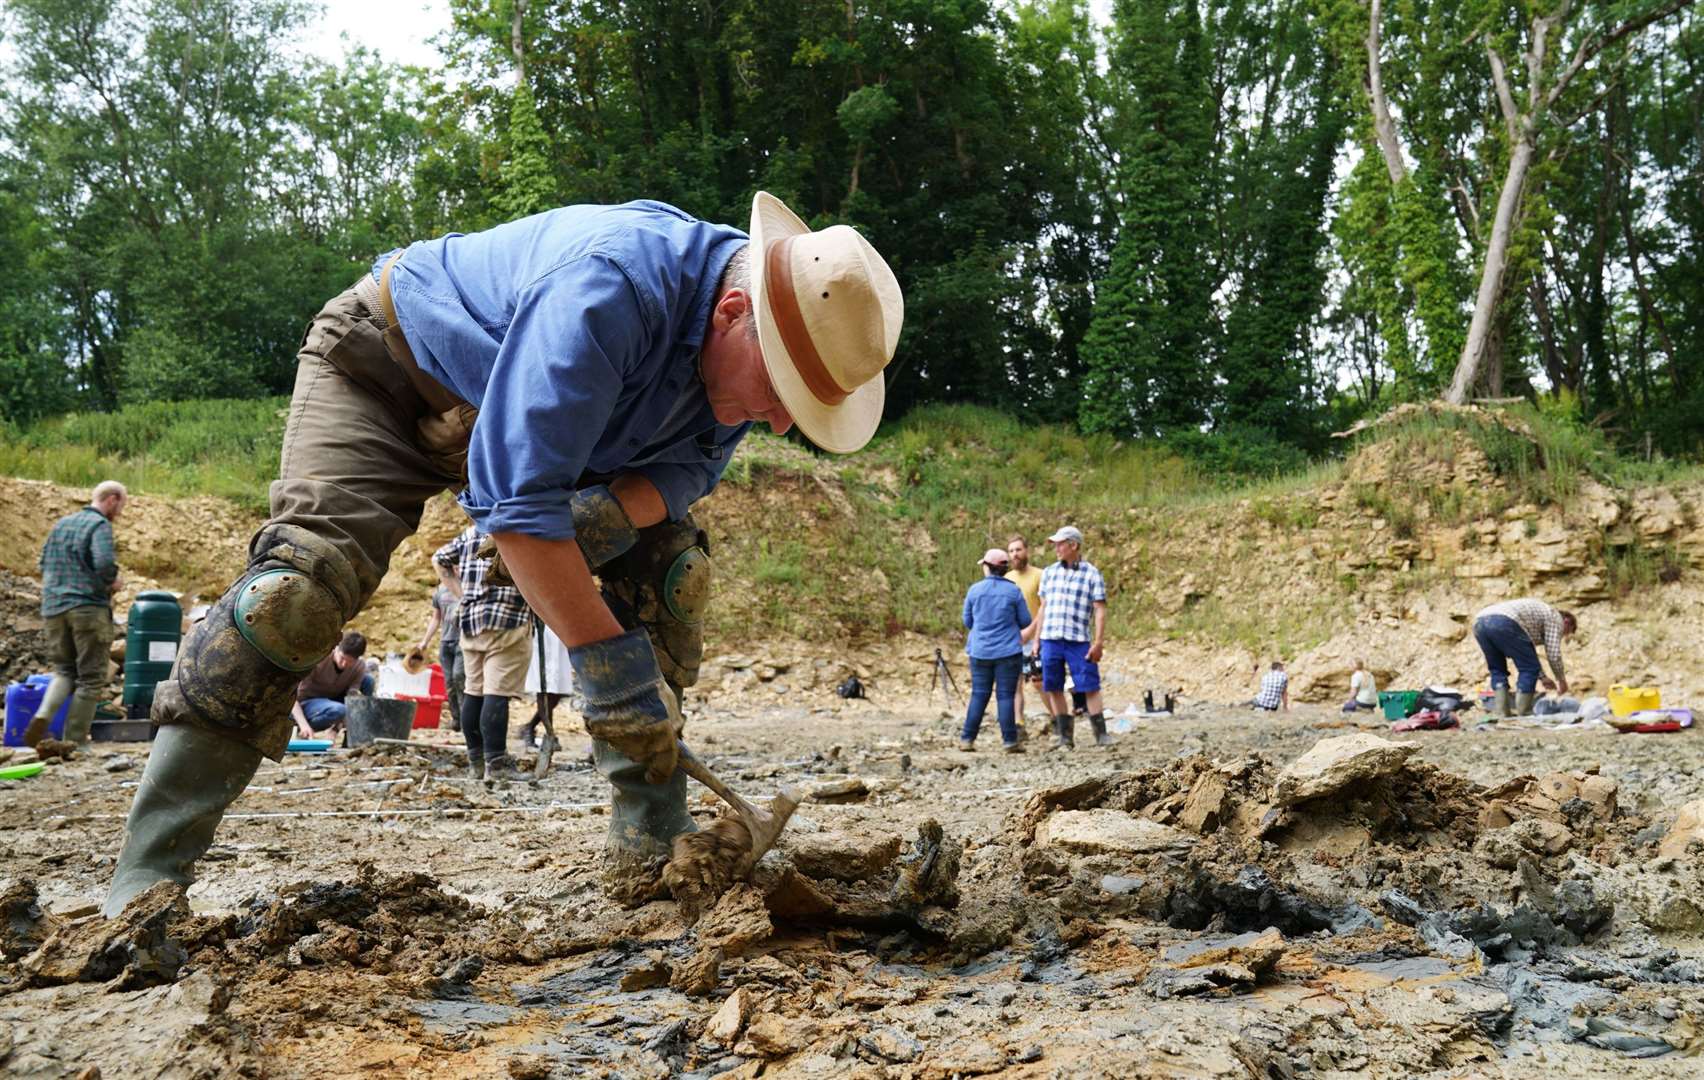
(994, 612)
(575, 333)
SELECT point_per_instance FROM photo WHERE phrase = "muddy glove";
(601, 528)
(627, 704)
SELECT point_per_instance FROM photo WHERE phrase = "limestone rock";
(1334, 764)
(772, 1036)
(1256, 953)
(1688, 826)
(842, 856)
(851, 789)
(725, 1026)
(1204, 809)
(738, 921)
(1109, 832)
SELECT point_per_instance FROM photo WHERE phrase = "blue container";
(22, 699)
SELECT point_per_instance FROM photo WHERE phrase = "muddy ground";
(1211, 896)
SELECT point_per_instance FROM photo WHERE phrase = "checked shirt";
(1068, 598)
(1541, 622)
(483, 606)
(78, 565)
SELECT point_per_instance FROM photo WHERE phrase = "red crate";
(430, 708)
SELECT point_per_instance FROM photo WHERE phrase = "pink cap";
(995, 556)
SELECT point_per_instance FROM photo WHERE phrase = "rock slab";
(1108, 832)
(1335, 764)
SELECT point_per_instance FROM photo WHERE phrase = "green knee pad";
(663, 584)
(238, 669)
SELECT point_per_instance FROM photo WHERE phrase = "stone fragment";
(738, 921)
(653, 972)
(972, 1057)
(1109, 832)
(725, 1026)
(842, 856)
(1688, 826)
(851, 789)
(772, 1036)
(1541, 836)
(1204, 809)
(891, 1045)
(699, 973)
(1338, 763)
(1255, 953)
(1599, 792)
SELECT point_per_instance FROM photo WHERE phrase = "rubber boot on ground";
(80, 717)
(1098, 722)
(1063, 733)
(472, 706)
(1523, 704)
(1500, 701)
(494, 733)
(57, 691)
(191, 777)
(644, 819)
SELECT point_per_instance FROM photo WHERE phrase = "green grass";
(227, 448)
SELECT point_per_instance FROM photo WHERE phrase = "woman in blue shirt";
(994, 613)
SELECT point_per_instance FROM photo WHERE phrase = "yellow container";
(1626, 700)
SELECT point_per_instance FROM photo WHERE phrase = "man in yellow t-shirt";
(1028, 579)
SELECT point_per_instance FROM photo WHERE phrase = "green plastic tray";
(20, 772)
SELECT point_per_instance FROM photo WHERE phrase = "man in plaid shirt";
(79, 574)
(1511, 631)
(496, 641)
(1073, 598)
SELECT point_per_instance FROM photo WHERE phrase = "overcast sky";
(396, 29)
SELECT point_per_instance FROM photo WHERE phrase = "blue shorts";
(1056, 656)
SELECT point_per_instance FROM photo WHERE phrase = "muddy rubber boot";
(1500, 701)
(1098, 723)
(644, 819)
(502, 768)
(57, 691)
(1063, 735)
(1523, 704)
(967, 745)
(191, 777)
(472, 706)
(80, 718)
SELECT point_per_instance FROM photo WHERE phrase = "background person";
(496, 642)
(1363, 689)
(445, 609)
(1274, 692)
(79, 575)
(1027, 577)
(321, 696)
(1071, 625)
(995, 616)
(1511, 631)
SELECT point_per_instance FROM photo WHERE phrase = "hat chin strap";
(790, 323)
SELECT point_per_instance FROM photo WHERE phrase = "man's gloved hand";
(601, 528)
(627, 704)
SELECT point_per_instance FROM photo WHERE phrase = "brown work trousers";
(361, 457)
(79, 642)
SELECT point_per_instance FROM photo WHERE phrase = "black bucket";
(377, 718)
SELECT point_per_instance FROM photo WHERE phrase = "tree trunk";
(517, 42)
(1491, 276)
(1384, 128)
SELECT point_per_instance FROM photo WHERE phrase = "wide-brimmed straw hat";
(828, 316)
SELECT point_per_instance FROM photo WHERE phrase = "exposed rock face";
(1334, 764)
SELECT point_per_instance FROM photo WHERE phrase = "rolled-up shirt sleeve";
(555, 384)
(683, 483)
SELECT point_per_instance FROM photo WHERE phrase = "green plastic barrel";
(151, 636)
